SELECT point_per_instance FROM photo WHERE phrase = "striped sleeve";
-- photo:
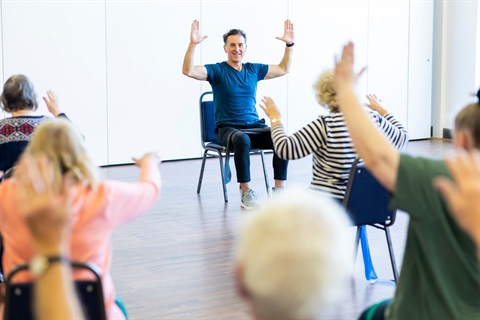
(300, 144)
(396, 133)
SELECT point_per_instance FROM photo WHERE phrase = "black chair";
(7, 174)
(18, 296)
(367, 202)
(213, 149)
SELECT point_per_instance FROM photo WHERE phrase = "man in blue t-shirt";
(234, 86)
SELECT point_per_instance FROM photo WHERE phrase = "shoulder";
(255, 66)
(422, 167)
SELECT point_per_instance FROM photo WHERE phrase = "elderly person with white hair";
(293, 257)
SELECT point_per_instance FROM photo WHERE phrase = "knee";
(241, 140)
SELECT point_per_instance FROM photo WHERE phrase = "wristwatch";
(39, 264)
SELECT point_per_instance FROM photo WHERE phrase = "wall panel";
(61, 46)
(322, 28)
(152, 106)
(388, 45)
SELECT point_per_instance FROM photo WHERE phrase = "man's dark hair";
(234, 32)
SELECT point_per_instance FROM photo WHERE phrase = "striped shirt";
(328, 139)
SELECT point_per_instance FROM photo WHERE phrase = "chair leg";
(392, 255)
(355, 247)
(222, 175)
(265, 172)
(202, 168)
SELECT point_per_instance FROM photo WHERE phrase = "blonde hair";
(62, 143)
(324, 91)
(295, 256)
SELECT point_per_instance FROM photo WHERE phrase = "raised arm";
(300, 144)
(51, 100)
(379, 155)
(189, 69)
(396, 133)
(278, 70)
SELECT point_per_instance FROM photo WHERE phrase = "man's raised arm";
(189, 69)
(283, 67)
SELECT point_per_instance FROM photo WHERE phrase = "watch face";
(38, 265)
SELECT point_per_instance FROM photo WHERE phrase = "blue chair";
(18, 296)
(213, 149)
(367, 202)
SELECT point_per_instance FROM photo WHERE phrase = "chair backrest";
(7, 174)
(366, 200)
(207, 118)
(18, 296)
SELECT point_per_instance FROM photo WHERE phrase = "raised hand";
(374, 104)
(344, 75)
(150, 156)
(288, 33)
(52, 103)
(270, 109)
(195, 35)
(463, 193)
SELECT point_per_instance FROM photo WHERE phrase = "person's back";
(20, 100)
(327, 138)
(98, 207)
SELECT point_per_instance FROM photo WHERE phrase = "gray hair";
(295, 256)
(18, 94)
(234, 32)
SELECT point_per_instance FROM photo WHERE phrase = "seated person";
(20, 100)
(47, 214)
(293, 258)
(234, 86)
(98, 207)
(328, 139)
(440, 276)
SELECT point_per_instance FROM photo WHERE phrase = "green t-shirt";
(440, 277)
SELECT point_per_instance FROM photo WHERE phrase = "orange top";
(95, 214)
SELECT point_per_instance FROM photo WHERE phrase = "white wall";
(117, 64)
(457, 57)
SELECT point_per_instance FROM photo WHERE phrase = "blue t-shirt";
(234, 91)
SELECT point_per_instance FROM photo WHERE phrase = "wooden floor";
(175, 262)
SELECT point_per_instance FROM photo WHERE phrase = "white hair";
(295, 256)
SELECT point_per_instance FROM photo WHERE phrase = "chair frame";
(214, 150)
(390, 215)
(11, 287)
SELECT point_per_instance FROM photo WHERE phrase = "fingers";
(347, 54)
(360, 73)
(463, 165)
(195, 25)
(288, 25)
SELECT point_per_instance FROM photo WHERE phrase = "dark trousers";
(241, 143)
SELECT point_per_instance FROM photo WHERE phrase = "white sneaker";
(249, 200)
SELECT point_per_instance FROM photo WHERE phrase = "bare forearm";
(55, 295)
(287, 59)
(189, 59)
